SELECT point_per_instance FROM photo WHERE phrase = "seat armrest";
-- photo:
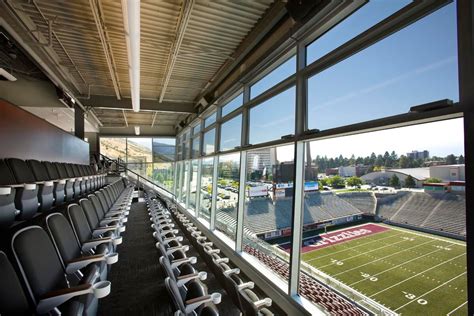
(5, 190)
(88, 245)
(247, 285)
(81, 262)
(29, 186)
(201, 238)
(231, 271)
(170, 239)
(194, 303)
(183, 279)
(101, 230)
(55, 298)
(221, 260)
(109, 220)
(211, 251)
(172, 250)
(178, 262)
(266, 302)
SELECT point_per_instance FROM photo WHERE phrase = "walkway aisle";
(137, 280)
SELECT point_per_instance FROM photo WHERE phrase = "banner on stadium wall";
(311, 186)
(279, 193)
(257, 191)
(283, 185)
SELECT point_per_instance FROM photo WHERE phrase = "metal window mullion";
(212, 222)
(187, 176)
(198, 189)
(175, 175)
(297, 221)
(245, 116)
(301, 121)
(241, 200)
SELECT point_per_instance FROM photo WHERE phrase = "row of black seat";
(174, 261)
(28, 187)
(63, 267)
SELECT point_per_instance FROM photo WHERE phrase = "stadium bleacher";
(364, 201)
(443, 212)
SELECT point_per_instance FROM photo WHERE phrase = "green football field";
(409, 272)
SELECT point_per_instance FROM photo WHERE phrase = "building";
(447, 173)
(415, 154)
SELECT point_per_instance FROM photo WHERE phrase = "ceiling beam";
(110, 102)
(173, 56)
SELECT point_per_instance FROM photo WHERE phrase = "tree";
(354, 181)
(461, 159)
(432, 180)
(403, 161)
(394, 181)
(450, 159)
(410, 182)
(323, 182)
(337, 182)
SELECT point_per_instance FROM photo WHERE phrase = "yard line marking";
(424, 235)
(347, 248)
(451, 312)
(397, 266)
(413, 300)
(414, 276)
(393, 253)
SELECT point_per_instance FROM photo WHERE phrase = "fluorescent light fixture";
(131, 21)
(7, 75)
(137, 130)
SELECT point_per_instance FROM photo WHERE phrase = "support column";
(78, 122)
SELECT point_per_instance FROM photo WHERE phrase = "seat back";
(13, 300)
(97, 205)
(52, 170)
(61, 168)
(79, 223)
(6, 175)
(7, 196)
(63, 237)
(38, 261)
(102, 200)
(90, 213)
(39, 170)
(21, 170)
(107, 197)
(69, 170)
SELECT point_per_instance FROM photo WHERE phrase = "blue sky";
(414, 66)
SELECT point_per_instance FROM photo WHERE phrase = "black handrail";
(138, 176)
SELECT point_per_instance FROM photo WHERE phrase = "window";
(269, 202)
(352, 180)
(414, 66)
(209, 141)
(232, 105)
(231, 132)
(361, 20)
(184, 181)
(273, 118)
(195, 151)
(227, 194)
(197, 129)
(193, 183)
(283, 71)
(114, 148)
(179, 171)
(163, 174)
(140, 156)
(186, 146)
(163, 149)
(211, 119)
(207, 172)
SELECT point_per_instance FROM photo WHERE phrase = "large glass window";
(364, 18)
(209, 141)
(184, 181)
(163, 149)
(195, 152)
(269, 204)
(193, 183)
(231, 132)
(383, 215)
(140, 156)
(207, 172)
(197, 129)
(113, 147)
(232, 105)
(273, 118)
(283, 71)
(211, 119)
(227, 194)
(390, 76)
(163, 174)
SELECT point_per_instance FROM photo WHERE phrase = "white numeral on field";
(337, 262)
(442, 247)
(408, 238)
(369, 277)
(412, 296)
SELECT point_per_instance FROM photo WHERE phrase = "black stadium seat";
(69, 185)
(59, 183)
(13, 300)
(26, 198)
(8, 210)
(45, 194)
